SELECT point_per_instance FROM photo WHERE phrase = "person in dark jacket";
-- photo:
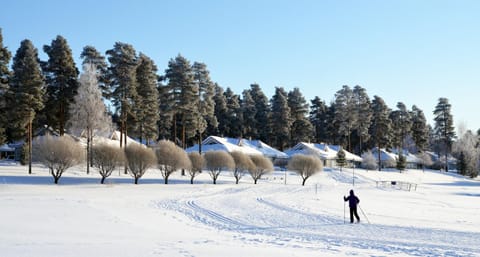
(352, 203)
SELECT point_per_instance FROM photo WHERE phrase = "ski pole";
(344, 212)
(364, 214)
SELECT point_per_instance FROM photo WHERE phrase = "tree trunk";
(55, 179)
(191, 180)
(136, 180)
(125, 145)
(29, 139)
(166, 180)
(103, 180)
(304, 180)
(200, 143)
(88, 150)
(379, 159)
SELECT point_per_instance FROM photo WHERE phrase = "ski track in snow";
(275, 223)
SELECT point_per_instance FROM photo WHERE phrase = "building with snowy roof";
(327, 153)
(246, 146)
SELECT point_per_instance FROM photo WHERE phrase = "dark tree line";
(184, 105)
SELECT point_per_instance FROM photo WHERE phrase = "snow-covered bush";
(305, 166)
(369, 161)
(171, 158)
(197, 162)
(263, 165)
(216, 162)
(139, 159)
(106, 158)
(243, 164)
(57, 154)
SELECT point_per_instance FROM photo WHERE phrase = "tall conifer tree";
(147, 110)
(420, 131)
(5, 74)
(262, 112)
(221, 112)
(319, 119)
(27, 89)
(181, 82)
(122, 76)
(380, 127)
(249, 111)
(301, 127)
(345, 114)
(206, 91)
(280, 119)
(233, 114)
(61, 77)
(444, 129)
(401, 125)
(363, 111)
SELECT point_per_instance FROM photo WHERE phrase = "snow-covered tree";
(197, 162)
(425, 159)
(369, 162)
(263, 165)
(305, 166)
(218, 161)
(341, 161)
(345, 115)
(380, 127)
(139, 159)
(467, 147)
(301, 128)
(171, 158)
(58, 154)
(88, 113)
(243, 164)
(106, 159)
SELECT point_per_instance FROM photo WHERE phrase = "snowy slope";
(80, 217)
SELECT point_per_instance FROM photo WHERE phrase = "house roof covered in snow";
(324, 151)
(214, 143)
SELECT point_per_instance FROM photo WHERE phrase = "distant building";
(327, 153)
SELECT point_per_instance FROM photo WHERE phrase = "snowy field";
(80, 217)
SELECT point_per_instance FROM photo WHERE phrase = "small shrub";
(139, 158)
(305, 166)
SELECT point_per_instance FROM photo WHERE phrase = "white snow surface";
(276, 217)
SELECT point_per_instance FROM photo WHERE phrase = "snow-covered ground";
(80, 217)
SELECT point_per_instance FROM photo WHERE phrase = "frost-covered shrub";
(106, 158)
(139, 159)
(305, 166)
(369, 161)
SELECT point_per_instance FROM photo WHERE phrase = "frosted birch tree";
(88, 114)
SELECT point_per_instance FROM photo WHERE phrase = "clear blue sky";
(408, 51)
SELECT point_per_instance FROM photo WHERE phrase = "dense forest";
(183, 104)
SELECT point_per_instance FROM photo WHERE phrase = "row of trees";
(61, 153)
(184, 105)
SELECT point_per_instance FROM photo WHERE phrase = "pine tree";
(5, 74)
(462, 164)
(27, 91)
(88, 114)
(319, 119)
(233, 114)
(262, 112)
(363, 111)
(122, 77)
(401, 125)
(380, 127)
(444, 129)
(61, 77)
(401, 161)
(345, 114)
(341, 160)
(147, 110)
(181, 82)
(249, 111)
(420, 131)
(166, 109)
(206, 92)
(220, 112)
(91, 55)
(301, 128)
(280, 119)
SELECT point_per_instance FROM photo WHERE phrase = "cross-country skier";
(352, 203)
